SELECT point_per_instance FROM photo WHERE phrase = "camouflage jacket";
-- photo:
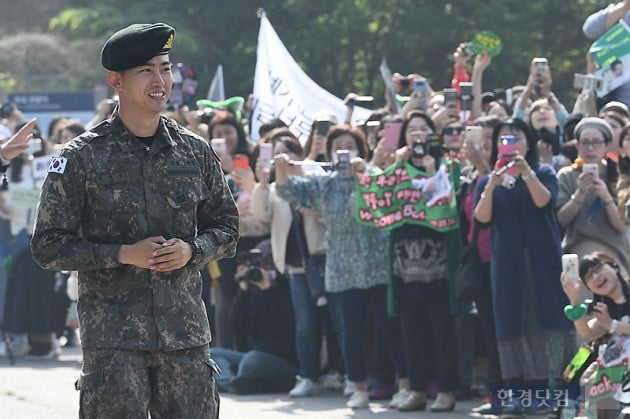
(114, 190)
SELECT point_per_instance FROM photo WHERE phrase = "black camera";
(255, 261)
(404, 82)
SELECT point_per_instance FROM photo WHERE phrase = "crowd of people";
(316, 300)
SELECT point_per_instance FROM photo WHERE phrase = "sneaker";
(398, 398)
(444, 402)
(358, 400)
(487, 407)
(19, 346)
(349, 388)
(414, 401)
(382, 392)
(303, 387)
(331, 380)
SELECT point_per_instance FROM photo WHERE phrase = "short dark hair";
(519, 125)
(615, 63)
(338, 130)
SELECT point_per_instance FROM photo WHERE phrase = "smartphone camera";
(418, 149)
(322, 127)
(509, 181)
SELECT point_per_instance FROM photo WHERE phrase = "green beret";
(136, 45)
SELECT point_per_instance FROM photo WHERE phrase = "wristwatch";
(196, 250)
(613, 327)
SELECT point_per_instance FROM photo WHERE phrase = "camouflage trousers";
(120, 384)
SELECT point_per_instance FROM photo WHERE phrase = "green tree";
(341, 43)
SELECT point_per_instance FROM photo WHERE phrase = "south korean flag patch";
(58, 165)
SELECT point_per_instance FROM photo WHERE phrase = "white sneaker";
(349, 388)
(398, 398)
(358, 400)
(303, 387)
(331, 380)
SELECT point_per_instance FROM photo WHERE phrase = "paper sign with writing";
(403, 194)
(24, 197)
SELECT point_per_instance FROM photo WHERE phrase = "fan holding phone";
(525, 258)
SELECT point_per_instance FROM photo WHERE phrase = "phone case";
(241, 161)
(391, 135)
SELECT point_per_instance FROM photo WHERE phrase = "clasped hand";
(156, 253)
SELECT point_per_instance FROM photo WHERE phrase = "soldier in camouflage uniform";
(137, 205)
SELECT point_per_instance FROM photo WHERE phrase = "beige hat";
(597, 123)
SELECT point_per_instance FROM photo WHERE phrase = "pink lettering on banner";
(409, 195)
(365, 215)
(399, 176)
(410, 212)
(372, 201)
(388, 219)
(365, 180)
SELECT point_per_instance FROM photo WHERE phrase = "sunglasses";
(452, 130)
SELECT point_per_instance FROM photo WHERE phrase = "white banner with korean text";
(282, 90)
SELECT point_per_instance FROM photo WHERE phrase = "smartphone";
(570, 268)
(343, 164)
(591, 168)
(391, 135)
(361, 100)
(34, 146)
(241, 161)
(466, 91)
(450, 98)
(507, 150)
(474, 136)
(266, 154)
(218, 145)
(540, 64)
(420, 86)
(587, 82)
(499, 94)
(322, 127)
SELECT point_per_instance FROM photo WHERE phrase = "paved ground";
(37, 389)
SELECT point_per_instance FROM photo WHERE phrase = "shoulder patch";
(58, 165)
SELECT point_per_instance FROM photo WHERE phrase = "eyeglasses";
(593, 271)
(452, 130)
(592, 144)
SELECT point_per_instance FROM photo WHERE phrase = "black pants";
(426, 323)
(486, 318)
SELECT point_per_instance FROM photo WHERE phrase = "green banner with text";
(403, 194)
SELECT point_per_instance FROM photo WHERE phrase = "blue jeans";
(306, 326)
(355, 305)
(274, 373)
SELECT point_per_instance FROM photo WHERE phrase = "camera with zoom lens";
(255, 261)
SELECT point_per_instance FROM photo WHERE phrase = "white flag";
(282, 90)
(216, 92)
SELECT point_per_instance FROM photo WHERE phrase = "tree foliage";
(341, 43)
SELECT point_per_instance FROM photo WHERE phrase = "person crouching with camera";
(262, 311)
